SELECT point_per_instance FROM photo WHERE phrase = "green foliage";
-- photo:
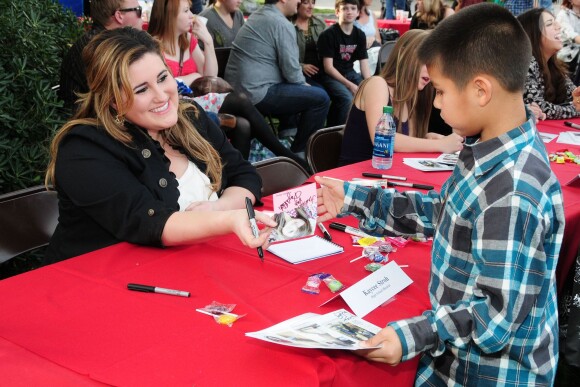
(34, 36)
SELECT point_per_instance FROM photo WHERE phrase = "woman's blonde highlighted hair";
(107, 58)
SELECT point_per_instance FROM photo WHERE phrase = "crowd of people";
(141, 160)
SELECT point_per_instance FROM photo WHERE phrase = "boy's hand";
(330, 197)
(352, 87)
(391, 352)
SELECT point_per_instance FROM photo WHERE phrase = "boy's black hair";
(481, 39)
(338, 3)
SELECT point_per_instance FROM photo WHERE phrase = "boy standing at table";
(339, 46)
(497, 224)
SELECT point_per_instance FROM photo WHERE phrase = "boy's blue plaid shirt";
(495, 248)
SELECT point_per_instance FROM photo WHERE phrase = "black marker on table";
(155, 289)
(412, 185)
(254, 226)
(571, 125)
(325, 232)
(380, 176)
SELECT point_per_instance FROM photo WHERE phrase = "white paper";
(547, 137)
(305, 249)
(448, 158)
(375, 289)
(335, 330)
(572, 138)
(427, 165)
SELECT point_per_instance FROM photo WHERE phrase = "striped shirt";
(497, 228)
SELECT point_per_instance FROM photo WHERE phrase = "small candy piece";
(226, 319)
(367, 241)
(333, 284)
(218, 307)
(385, 247)
(398, 241)
(373, 266)
(312, 285)
(560, 160)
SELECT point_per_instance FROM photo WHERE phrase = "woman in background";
(404, 84)
(548, 87)
(136, 165)
(367, 22)
(171, 21)
(224, 20)
(569, 19)
(429, 14)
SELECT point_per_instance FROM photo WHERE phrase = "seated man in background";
(106, 14)
(339, 46)
(264, 64)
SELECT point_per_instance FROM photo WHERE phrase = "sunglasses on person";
(138, 10)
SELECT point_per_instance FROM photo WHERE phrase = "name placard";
(375, 289)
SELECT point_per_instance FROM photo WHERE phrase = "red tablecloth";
(400, 25)
(76, 319)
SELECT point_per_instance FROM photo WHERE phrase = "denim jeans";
(311, 103)
(389, 13)
(340, 96)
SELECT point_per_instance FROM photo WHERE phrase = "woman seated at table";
(170, 22)
(136, 165)
(548, 87)
(429, 14)
(404, 84)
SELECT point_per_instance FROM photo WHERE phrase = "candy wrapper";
(373, 254)
(398, 241)
(312, 285)
(333, 284)
(221, 313)
(373, 266)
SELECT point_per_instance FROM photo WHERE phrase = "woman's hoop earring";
(119, 120)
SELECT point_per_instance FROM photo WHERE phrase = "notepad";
(306, 249)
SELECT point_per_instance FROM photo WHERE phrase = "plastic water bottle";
(384, 140)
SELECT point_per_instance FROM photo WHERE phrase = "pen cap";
(141, 288)
(338, 226)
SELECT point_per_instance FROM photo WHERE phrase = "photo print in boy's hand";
(295, 212)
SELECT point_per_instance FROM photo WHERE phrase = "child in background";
(339, 46)
(404, 84)
(497, 224)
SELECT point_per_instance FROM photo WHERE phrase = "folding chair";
(28, 218)
(323, 148)
(279, 174)
(384, 53)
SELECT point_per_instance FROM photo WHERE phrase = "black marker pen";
(155, 289)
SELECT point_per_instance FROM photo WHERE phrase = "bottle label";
(383, 146)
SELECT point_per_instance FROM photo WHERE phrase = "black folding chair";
(28, 218)
(279, 174)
